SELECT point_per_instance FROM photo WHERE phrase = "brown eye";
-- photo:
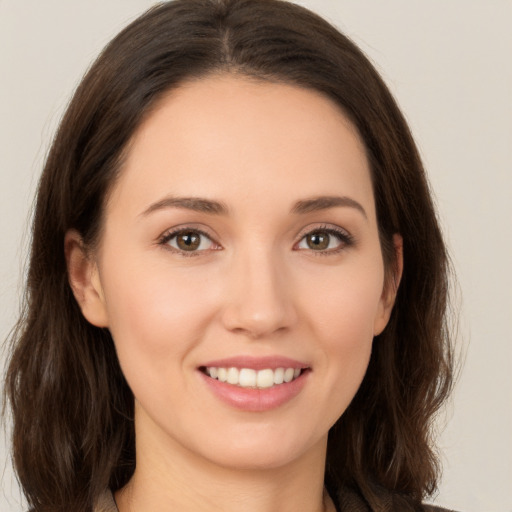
(189, 240)
(318, 241)
(325, 240)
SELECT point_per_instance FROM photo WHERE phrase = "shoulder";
(401, 503)
(352, 500)
(408, 506)
(433, 508)
(405, 505)
(106, 503)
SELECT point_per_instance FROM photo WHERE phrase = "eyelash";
(346, 240)
(169, 235)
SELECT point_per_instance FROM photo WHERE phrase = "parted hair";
(73, 433)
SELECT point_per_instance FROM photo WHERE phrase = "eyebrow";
(196, 204)
(210, 206)
(316, 204)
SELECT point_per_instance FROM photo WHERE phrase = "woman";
(237, 287)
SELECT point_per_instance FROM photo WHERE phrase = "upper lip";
(256, 363)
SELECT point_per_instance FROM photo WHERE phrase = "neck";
(168, 477)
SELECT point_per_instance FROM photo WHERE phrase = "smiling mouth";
(255, 379)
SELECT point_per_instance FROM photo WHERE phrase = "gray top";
(106, 503)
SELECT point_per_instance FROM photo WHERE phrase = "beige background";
(449, 65)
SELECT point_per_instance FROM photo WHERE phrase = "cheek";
(342, 320)
(156, 316)
(346, 305)
(347, 333)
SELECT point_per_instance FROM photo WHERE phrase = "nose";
(259, 296)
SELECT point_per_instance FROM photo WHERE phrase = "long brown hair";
(72, 408)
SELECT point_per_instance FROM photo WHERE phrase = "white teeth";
(249, 378)
(279, 375)
(233, 375)
(288, 374)
(265, 379)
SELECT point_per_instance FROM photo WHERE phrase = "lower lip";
(256, 400)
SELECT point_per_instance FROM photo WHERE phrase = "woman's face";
(240, 243)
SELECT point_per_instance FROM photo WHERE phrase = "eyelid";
(169, 234)
(346, 238)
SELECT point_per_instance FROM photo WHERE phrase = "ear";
(84, 280)
(392, 281)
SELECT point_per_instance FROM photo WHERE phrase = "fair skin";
(242, 234)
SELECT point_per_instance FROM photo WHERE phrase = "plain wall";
(449, 66)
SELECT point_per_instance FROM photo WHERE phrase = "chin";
(257, 453)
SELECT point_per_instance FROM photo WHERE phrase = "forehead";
(230, 137)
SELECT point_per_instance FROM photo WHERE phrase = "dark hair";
(72, 408)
